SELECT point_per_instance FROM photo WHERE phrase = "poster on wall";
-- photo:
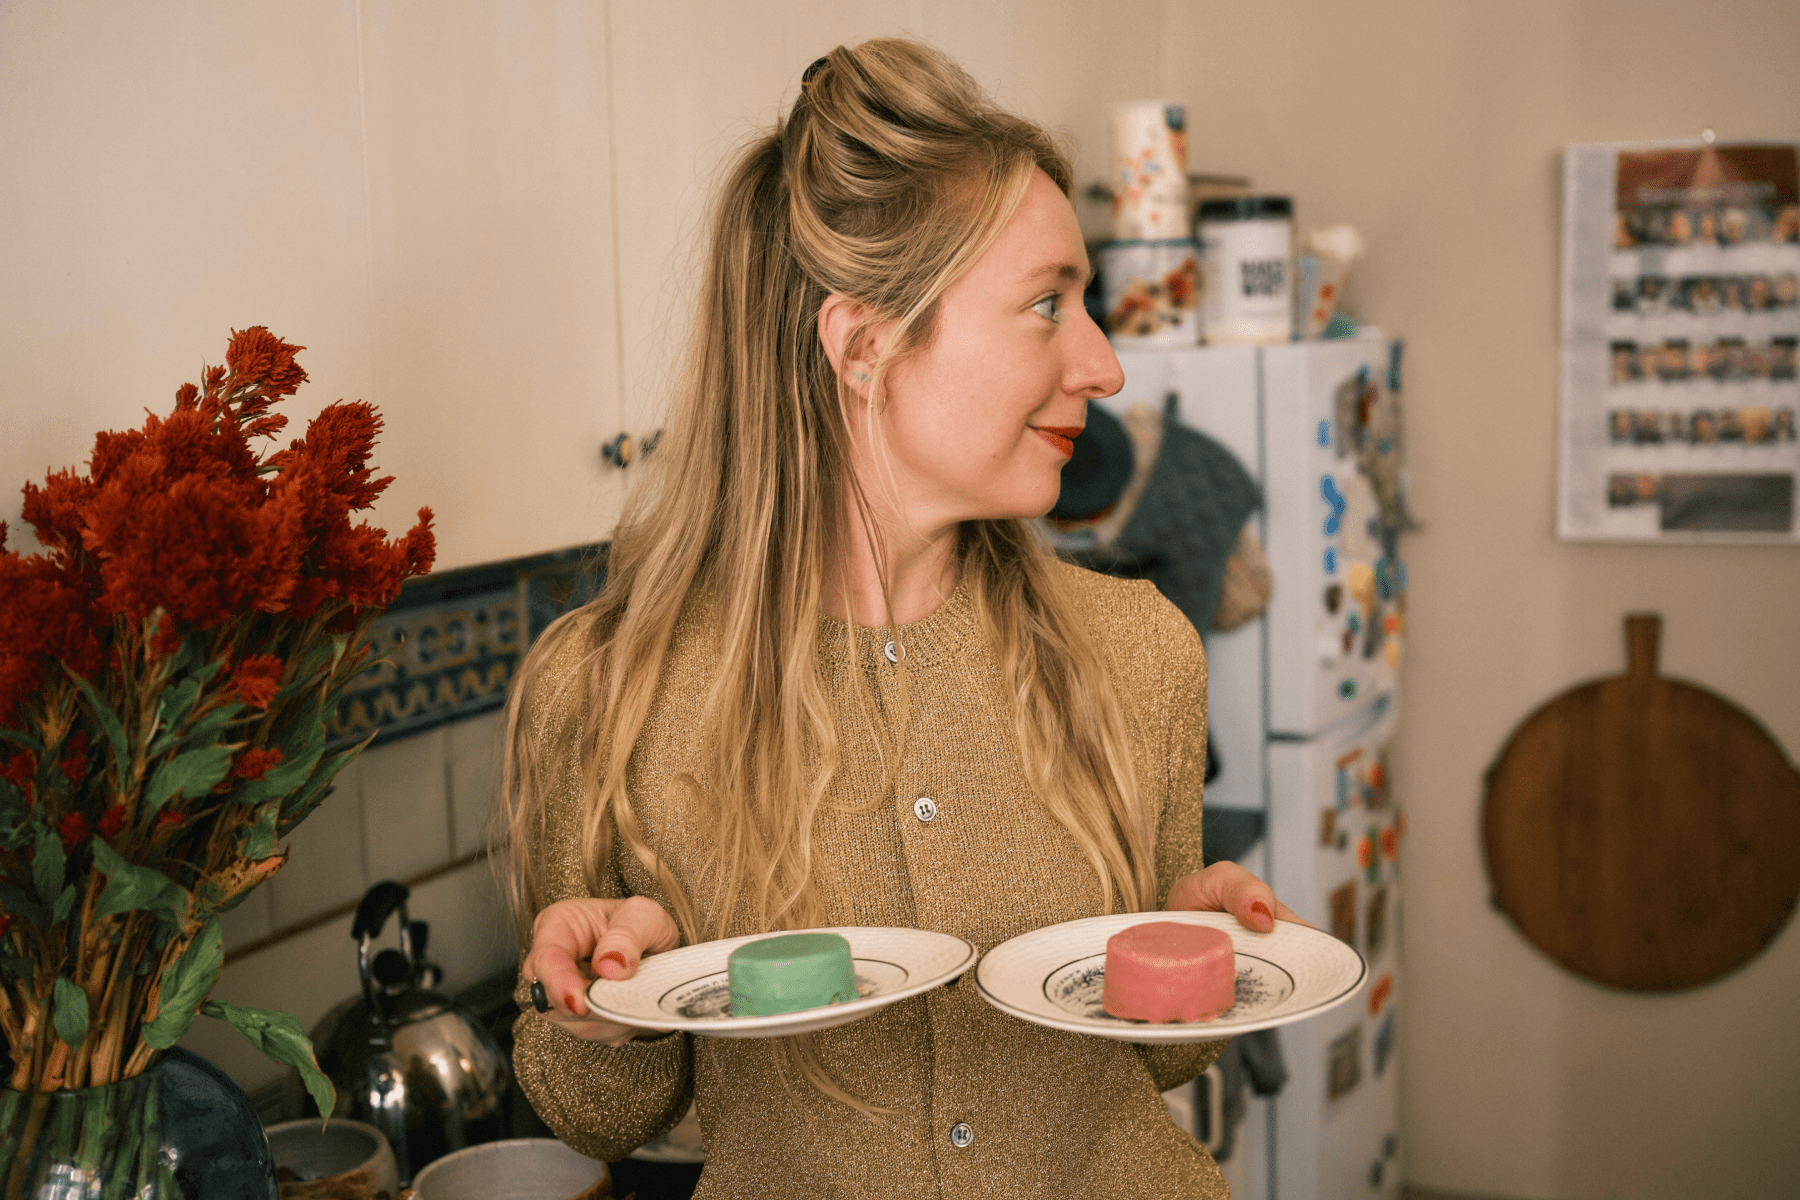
(1680, 318)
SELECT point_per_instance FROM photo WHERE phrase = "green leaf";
(191, 774)
(287, 775)
(64, 903)
(47, 865)
(185, 983)
(211, 727)
(259, 839)
(109, 721)
(16, 903)
(298, 806)
(278, 1035)
(20, 738)
(132, 888)
(70, 1012)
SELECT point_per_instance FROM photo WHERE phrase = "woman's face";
(978, 423)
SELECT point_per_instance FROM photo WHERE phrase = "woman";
(825, 612)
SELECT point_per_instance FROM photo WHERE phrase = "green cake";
(790, 972)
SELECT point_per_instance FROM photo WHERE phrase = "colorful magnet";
(1343, 1060)
(1378, 995)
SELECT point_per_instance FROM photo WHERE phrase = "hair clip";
(807, 76)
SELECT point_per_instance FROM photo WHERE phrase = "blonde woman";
(828, 605)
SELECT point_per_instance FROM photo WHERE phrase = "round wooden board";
(1642, 832)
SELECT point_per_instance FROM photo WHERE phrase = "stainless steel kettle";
(403, 1057)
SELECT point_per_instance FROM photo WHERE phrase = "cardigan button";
(925, 808)
(961, 1134)
(889, 651)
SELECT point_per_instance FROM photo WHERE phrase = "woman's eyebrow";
(1061, 272)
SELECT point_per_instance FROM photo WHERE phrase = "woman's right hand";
(574, 940)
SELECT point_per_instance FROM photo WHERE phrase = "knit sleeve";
(604, 1101)
(1181, 696)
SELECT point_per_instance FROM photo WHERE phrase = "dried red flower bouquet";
(166, 666)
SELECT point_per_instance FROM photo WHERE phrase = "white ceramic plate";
(688, 989)
(1054, 976)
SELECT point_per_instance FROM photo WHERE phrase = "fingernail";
(1262, 910)
(617, 959)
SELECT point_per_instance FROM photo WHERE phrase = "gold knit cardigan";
(1053, 1114)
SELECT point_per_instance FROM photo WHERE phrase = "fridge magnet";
(1327, 826)
(1680, 315)
(1379, 994)
(1384, 1044)
(1343, 1063)
(1376, 927)
(1343, 913)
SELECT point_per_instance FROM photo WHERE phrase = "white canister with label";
(1247, 252)
(1149, 163)
(1150, 290)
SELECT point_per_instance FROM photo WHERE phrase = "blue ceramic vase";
(181, 1129)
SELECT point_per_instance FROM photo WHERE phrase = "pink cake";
(1164, 971)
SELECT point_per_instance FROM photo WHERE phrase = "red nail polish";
(615, 956)
(569, 1002)
(1260, 907)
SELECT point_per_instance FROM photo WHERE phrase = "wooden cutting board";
(1643, 832)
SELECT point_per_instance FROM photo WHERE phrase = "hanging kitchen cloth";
(1189, 517)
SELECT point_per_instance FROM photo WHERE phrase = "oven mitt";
(1189, 517)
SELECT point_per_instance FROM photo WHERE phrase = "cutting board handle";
(1643, 632)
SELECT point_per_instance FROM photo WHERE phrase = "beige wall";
(476, 215)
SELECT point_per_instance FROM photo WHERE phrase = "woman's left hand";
(1227, 887)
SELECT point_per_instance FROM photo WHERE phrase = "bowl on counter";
(344, 1160)
(515, 1169)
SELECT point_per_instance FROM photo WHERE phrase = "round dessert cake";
(1164, 971)
(790, 972)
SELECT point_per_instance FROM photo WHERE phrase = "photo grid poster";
(1679, 325)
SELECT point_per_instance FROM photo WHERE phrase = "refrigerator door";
(1335, 861)
(1337, 615)
(1215, 391)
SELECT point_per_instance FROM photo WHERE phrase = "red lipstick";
(1061, 436)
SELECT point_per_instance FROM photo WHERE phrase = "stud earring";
(859, 376)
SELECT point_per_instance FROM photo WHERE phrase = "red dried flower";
(260, 359)
(254, 764)
(111, 821)
(74, 829)
(20, 768)
(54, 511)
(166, 821)
(168, 637)
(5, 923)
(256, 678)
(46, 617)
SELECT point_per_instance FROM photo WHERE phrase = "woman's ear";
(852, 342)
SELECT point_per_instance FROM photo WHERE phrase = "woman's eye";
(1049, 308)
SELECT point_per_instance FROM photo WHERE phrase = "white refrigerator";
(1302, 703)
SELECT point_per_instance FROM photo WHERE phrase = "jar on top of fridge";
(1247, 248)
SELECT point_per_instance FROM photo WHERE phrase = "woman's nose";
(1093, 369)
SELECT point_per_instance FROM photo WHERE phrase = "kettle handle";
(378, 904)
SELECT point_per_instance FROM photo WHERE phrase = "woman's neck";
(920, 571)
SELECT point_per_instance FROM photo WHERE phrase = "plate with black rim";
(688, 989)
(1054, 976)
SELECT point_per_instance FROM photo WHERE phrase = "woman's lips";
(1061, 436)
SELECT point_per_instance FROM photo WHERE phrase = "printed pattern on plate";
(710, 995)
(688, 988)
(1054, 976)
(1078, 989)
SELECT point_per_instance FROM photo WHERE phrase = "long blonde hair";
(887, 180)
